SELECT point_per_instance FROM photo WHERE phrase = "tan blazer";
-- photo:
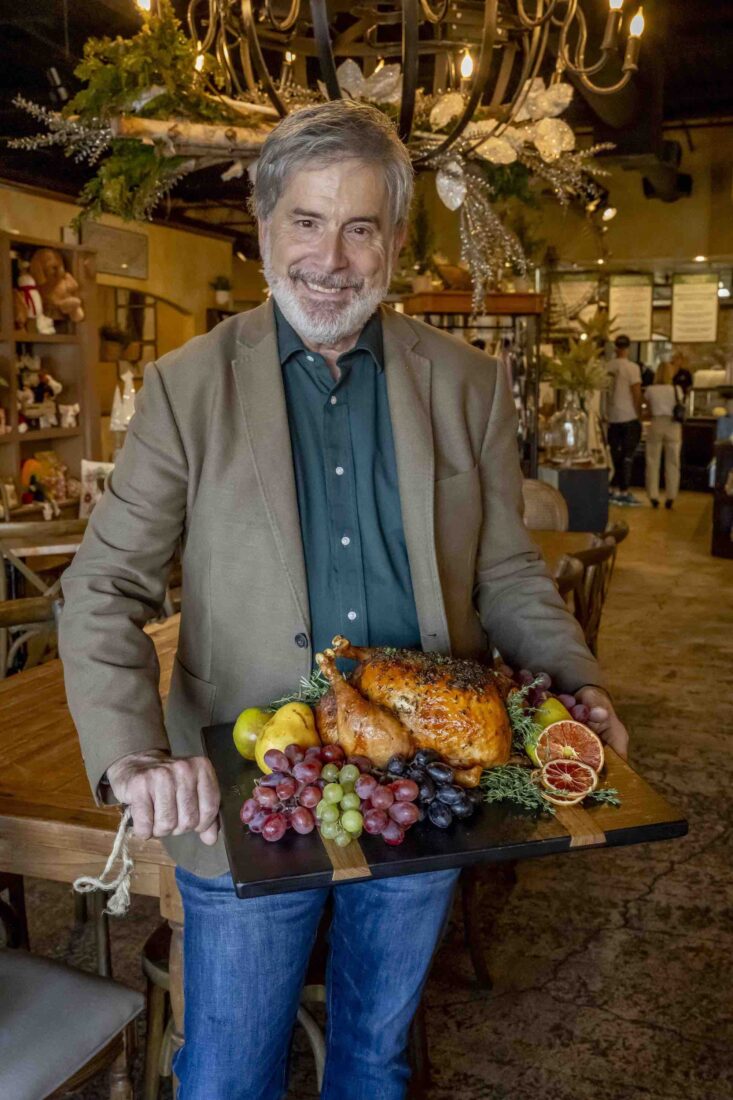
(207, 460)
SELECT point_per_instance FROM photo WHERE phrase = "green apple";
(247, 729)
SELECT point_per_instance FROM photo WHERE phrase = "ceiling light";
(466, 66)
(123, 265)
(584, 336)
(699, 259)
(609, 213)
(144, 5)
(615, 5)
(289, 57)
(200, 58)
(600, 260)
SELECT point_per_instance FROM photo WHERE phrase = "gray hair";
(324, 134)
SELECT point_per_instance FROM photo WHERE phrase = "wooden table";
(553, 544)
(50, 826)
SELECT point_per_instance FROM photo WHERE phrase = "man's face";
(328, 249)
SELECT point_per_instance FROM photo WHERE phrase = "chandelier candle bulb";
(613, 26)
(636, 29)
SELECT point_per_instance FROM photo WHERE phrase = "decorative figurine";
(58, 286)
(69, 415)
(28, 303)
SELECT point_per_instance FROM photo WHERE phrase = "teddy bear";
(27, 302)
(58, 286)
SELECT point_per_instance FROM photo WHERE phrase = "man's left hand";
(603, 720)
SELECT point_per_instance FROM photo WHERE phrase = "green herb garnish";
(606, 796)
(310, 691)
(513, 783)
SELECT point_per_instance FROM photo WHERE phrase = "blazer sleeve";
(517, 601)
(117, 582)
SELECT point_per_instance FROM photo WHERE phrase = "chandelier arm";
(609, 89)
(534, 54)
(246, 60)
(505, 71)
(529, 22)
(434, 16)
(260, 65)
(290, 19)
(488, 38)
(213, 19)
(222, 56)
(576, 63)
(410, 34)
(322, 34)
(225, 60)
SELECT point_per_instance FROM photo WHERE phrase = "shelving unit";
(69, 355)
(515, 318)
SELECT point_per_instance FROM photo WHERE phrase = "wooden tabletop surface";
(41, 770)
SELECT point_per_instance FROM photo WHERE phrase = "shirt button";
(301, 640)
(351, 615)
(339, 470)
(334, 400)
(310, 358)
(345, 540)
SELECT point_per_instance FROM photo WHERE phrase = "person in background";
(682, 376)
(623, 412)
(664, 432)
(479, 343)
(647, 375)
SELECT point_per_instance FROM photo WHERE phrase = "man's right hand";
(167, 796)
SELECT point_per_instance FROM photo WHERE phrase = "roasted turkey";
(398, 701)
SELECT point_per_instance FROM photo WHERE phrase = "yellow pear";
(292, 724)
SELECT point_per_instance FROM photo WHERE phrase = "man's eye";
(361, 230)
(304, 223)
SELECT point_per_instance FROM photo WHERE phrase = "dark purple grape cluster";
(537, 695)
(439, 798)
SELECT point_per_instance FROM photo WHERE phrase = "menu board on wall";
(695, 308)
(630, 305)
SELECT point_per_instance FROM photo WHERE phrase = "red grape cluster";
(540, 691)
(319, 786)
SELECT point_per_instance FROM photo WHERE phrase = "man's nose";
(331, 252)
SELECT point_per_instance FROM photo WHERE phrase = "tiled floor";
(612, 969)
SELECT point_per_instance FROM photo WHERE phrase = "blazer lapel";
(262, 399)
(408, 388)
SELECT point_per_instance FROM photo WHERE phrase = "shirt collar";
(370, 339)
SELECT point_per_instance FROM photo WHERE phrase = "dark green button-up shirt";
(358, 574)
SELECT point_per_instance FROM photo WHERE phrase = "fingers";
(208, 802)
(141, 808)
(164, 801)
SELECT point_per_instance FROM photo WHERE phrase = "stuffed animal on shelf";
(36, 395)
(58, 286)
(69, 415)
(28, 303)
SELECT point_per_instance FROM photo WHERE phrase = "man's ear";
(261, 238)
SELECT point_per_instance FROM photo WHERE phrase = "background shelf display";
(68, 355)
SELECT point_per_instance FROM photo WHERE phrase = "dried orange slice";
(570, 740)
(568, 780)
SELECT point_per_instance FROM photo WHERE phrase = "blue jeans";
(244, 967)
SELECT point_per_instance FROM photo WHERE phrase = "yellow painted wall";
(180, 264)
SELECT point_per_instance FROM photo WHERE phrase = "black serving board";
(495, 833)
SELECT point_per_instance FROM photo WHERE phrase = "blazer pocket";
(189, 708)
(457, 479)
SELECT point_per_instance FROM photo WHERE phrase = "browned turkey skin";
(398, 701)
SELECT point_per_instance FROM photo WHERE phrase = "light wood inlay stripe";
(347, 862)
(582, 828)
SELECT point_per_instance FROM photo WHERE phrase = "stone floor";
(612, 969)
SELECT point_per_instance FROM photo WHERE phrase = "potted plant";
(222, 287)
(112, 340)
(577, 371)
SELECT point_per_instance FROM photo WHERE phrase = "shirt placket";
(344, 533)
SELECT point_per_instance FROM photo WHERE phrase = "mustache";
(328, 282)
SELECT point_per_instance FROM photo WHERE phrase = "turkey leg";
(342, 647)
(363, 728)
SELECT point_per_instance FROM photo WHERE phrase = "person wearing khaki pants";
(665, 433)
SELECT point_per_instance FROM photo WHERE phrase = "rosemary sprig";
(513, 783)
(310, 690)
(525, 730)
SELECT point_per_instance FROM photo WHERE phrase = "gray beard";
(326, 324)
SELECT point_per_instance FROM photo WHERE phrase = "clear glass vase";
(568, 432)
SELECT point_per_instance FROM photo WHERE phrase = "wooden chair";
(617, 530)
(569, 580)
(80, 1024)
(22, 619)
(545, 508)
(12, 910)
(597, 564)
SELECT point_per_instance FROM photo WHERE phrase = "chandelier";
(490, 52)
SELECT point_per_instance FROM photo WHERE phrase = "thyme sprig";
(513, 783)
(604, 796)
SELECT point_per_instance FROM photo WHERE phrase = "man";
(624, 419)
(332, 467)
